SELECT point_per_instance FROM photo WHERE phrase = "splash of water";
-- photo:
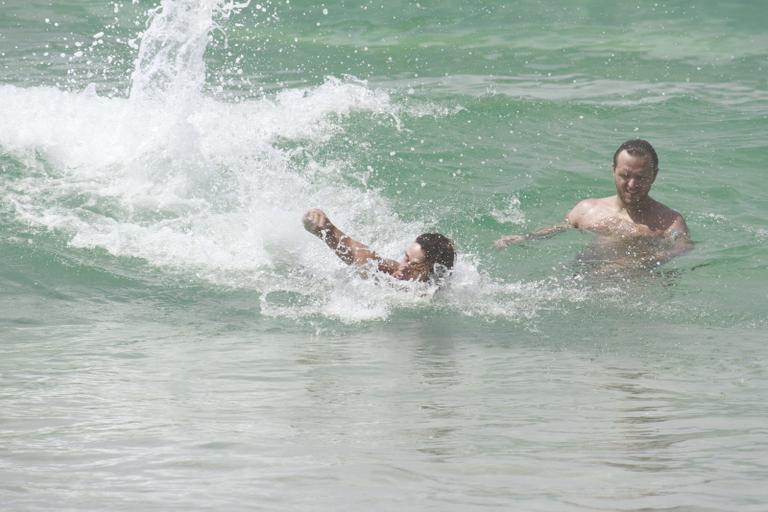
(170, 63)
(210, 189)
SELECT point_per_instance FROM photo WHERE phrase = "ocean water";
(171, 338)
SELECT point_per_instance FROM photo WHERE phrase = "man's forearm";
(349, 250)
(547, 232)
(539, 234)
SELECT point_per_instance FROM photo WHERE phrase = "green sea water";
(171, 338)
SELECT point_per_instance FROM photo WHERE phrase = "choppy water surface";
(171, 337)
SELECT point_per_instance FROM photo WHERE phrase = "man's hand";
(350, 251)
(316, 222)
(509, 239)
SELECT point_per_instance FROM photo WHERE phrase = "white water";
(216, 190)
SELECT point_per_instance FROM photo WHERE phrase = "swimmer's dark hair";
(438, 250)
(641, 148)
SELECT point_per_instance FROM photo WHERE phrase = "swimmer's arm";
(349, 250)
(571, 221)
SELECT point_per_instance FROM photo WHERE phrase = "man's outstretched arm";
(349, 250)
(539, 234)
(572, 220)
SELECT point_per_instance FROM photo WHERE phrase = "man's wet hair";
(641, 148)
(438, 250)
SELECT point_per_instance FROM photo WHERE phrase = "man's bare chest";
(616, 225)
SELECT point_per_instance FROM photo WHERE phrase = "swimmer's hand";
(317, 222)
(509, 239)
(350, 251)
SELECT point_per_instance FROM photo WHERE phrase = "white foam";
(213, 189)
(214, 196)
(180, 183)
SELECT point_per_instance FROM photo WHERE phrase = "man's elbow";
(362, 256)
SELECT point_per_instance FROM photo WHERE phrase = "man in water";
(430, 256)
(631, 227)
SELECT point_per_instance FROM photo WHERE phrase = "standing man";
(631, 226)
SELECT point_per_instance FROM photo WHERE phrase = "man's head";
(635, 166)
(640, 148)
(429, 255)
(438, 250)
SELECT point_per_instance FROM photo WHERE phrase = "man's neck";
(636, 210)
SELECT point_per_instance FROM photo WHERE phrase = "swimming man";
(430, 256)
(631, 227)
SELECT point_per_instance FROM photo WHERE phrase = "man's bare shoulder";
(587, 210)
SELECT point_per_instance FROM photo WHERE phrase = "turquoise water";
(170, 336)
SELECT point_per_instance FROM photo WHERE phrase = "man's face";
(413, 264)
(634, 176)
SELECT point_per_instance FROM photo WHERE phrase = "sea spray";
(214, 191)
(170, 64)
(187, 183)
(167, 80)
